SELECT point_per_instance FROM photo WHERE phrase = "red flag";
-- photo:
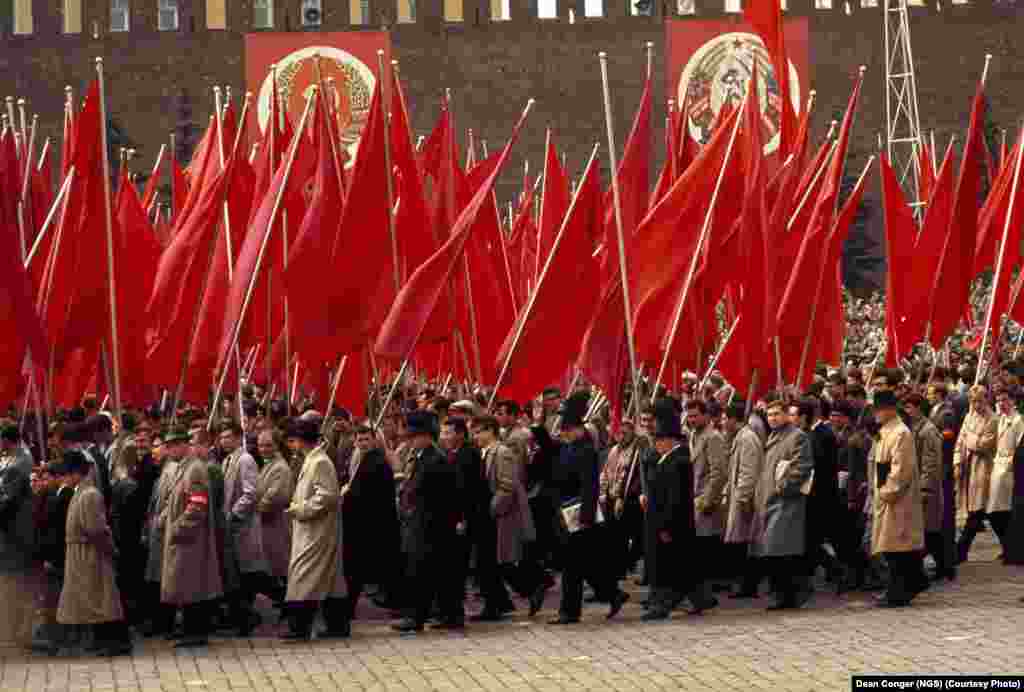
(551, 327)
(419, 298)
(1010, 238)
(766, 18)
(899, 249)
(416, 241)
(926, 173)
(554, 201)
(990, 219)
(951, 288)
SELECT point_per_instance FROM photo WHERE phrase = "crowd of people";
(149, 525)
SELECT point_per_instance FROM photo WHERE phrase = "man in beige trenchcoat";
(90, 595)
(315, 566)
(972, 465)
(274, 491)
(897, 529)
(746, 457)
(191, 575)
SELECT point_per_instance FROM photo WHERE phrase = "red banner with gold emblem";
(709, 64)
(347, 58)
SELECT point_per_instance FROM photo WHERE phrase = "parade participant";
(928, 446)
(370, 546)
(274, 489)
(245, 566)
(710, 461)
(1000, 493)
(90, 595)
(823, 500)
(669, 527)
(576, 476)
(780, 502)
(471, 530)
(897, 529)
(746, 457)
(127, 518)
(191, 567)
(551, 401)
(506, 526)
(619, 456)
(16, 531)
(626, 488)
(314, 567)
(972, 464)
(428, 525)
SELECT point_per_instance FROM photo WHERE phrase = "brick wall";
(493, 68)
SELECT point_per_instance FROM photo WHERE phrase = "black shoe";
(537, 599)
(292, 637)
(123, 649)
(594, 598)
(744, 594)
(459, 624)
(886, 603)
(788, 604)
(698, 609)
(564, 620)
(487, 615)
(192, 642)
(618, 600)
(407, 625)
(339, 633)
(655, 614)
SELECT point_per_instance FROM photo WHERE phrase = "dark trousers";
(582, 559)
(632, 522)
(160, 615)
(748, 568)
(112, 634)
(241, 600)
(785, 572)
(906, 577)
(303, 613)
(941, 546)
(430, 579)
(196, 620)
(999, 521)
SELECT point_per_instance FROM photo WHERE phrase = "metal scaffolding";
(903, 127)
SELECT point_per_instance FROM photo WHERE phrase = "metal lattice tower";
(903, 127)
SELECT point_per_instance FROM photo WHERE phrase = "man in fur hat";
(576, 475)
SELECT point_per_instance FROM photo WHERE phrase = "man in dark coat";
(576, 476)
(370, 543)
(669, 530)
(823, 501)
(428, 524)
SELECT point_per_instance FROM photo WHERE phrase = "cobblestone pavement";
(973, 626)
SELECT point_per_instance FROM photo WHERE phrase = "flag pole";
(999, 265)
(521, 323)
(237, 328)
(335, 381)
(718, 353)
(111, 276)
(617, 201)
(385, 103)
(57, 202)
(677, 315)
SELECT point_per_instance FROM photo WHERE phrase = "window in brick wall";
(72, 21)
(453, 11)
(869, 3)
(312, 13)
(407, 11)
(823, 4)
(167, 18)
(216, 14)
(120, 15)
(547, 9)
(501, 10)
(263, 14)
(358, 12)
(593, 8)
(23, 17)
(641, 8)
(733, 6)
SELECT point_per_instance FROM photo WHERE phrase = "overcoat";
(928, 445)
(669, 484)
(780, 508)
(708, 455)
(746, 458)
(316, 554)
(972, 460)
(191, 562)
(509, 508)
(244, 535)
(428, 507)
(156, 519)
(369, 512)
(274, 491)
(1000, 492)
(90, 595)
(898, 522)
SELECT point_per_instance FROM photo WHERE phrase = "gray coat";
(156, 519)
(745, 462)
(780, 520)
(710, 460)
(510, 508)
(928, 443)
(244, 536)
(16, 526)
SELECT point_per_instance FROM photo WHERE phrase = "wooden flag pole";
(718, 353)
(111, 276)
(521, 323)
(620, 237)
(810, 187)
(705, 231)
(335, 381)
(237, 328)
(57, 202)
(999, 267)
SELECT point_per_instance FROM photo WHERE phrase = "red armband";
(201, 500)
